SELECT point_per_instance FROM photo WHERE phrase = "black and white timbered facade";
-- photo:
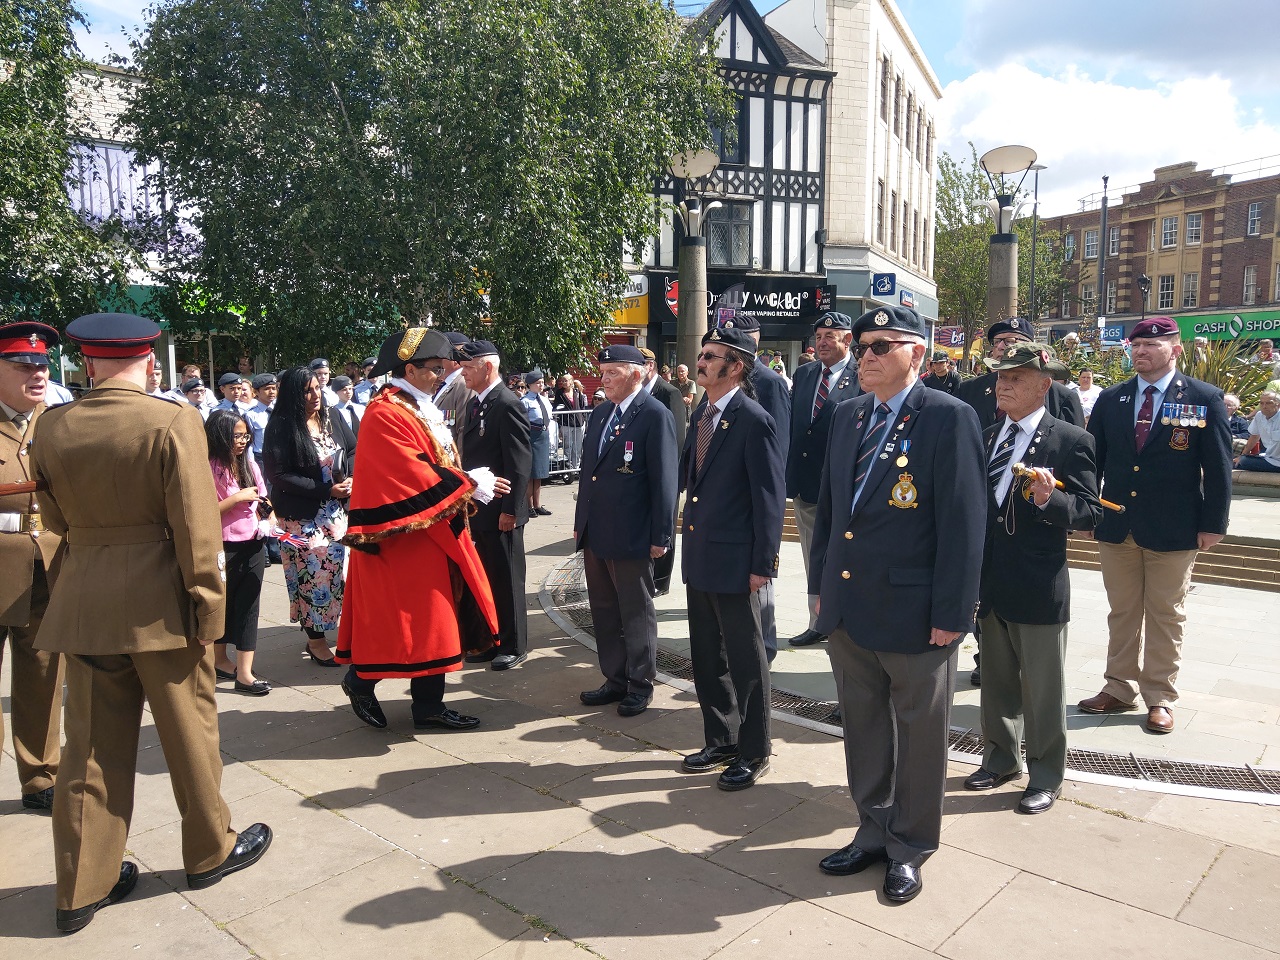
(764, 242)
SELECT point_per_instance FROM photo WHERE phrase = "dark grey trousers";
(730, 670)
(620, 593)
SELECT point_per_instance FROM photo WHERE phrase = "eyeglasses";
(1005, 341)
(240, 437)
(713, 356)
(879, 348)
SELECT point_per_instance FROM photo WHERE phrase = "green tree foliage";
(54, 265)
(350, 166)
(1226, 364)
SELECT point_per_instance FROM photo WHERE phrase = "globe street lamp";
(1035, 219)
(1144, 284)
(1002, 277)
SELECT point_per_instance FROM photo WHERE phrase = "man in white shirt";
(1264, 437)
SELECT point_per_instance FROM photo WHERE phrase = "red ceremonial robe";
(412, 558)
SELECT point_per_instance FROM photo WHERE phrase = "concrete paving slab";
(800, 929)
(154, 805)
(623, 894)
(1254, 692)
(1238, 898)
(284, 720)
(26, 847)
(394, 906)
(536, 943)
(1071, 924)
(1247, 825)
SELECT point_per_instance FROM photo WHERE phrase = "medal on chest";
(902, 458)
(628, 454)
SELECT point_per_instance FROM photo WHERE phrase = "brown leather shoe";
(1105, 703)
(1160, 720)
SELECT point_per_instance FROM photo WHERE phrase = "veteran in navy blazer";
(834, 375)
(1063, 403)
(731, 472)
(1164, 450)
(626, 499)
(1026, 591)
(897, 551)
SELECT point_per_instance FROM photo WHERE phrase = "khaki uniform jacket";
(18, 551)
(131, 491)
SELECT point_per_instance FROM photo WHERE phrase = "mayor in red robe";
(413, 570)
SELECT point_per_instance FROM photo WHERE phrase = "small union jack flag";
(302, 543)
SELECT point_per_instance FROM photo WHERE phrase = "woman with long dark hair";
(307, 453)
(241, 490)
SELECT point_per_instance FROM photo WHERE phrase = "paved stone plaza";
(557, 827)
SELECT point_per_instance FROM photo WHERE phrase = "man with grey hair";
(1264, 437)
(626, 499)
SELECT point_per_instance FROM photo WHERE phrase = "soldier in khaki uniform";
(140, 597)
(26, 565)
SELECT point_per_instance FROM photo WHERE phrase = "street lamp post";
(1002, 276)
(691, 312)
(1035, 221)
(1144, 284)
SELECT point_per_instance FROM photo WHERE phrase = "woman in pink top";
(240, 490)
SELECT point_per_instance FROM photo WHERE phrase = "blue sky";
(1096, 87)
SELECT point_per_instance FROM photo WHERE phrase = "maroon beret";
(1154, 327)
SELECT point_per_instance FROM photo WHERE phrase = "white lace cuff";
(485, 480)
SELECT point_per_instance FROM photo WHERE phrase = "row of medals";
(1184, 415)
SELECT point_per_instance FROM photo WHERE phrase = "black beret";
(227, 379)
(476, 349)
(27, 342)
(457, 339)
(532, 377)
(1012, 325)
(369, 361)
(739, 340)
(339, 383)
(189, 385)
(620, 353)
(903, 319)
(263, 380)
(410, 346)
(833, 321)
(318, 363)
(742, 320)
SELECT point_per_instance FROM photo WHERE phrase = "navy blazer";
(774, 395)
(504, 447)
(1024, 565)
(808, 436)
(888, 574)
(733, 508)
(1180, 484)
(624, 507)
(1063, 403)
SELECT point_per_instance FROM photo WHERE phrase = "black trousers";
(502, 554)
(246, 561)
(730, 670)
(620, 593)
(427, 692)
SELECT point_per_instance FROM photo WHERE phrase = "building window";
(736, 131)
(884, 89)
(1113, 242)
(893, 221)
(1190, 290)
(1164, 294)
(1091, 244)
(1069, 247)
(1195, 226)
(906, 225)
(1169, 232)
(880, 212)
(915, 238)
(924, 244)
(919, 134)
(1250, 285)
(1066, 304)
(1111, 297)
(106, 181)
(928, 156)
(729, 235)
(1088, 294)
(1255, 220)
(911, 109)
(1275, 291)
(897, 107)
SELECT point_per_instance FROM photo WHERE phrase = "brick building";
(1209, 241)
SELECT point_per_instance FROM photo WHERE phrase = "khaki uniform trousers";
(35, 695)
(93, 801)
(1024, 695)
(806, 514)
(1146, 591)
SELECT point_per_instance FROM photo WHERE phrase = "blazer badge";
(904, 494)
(1181, 439)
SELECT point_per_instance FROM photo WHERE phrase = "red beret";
(1154, 327)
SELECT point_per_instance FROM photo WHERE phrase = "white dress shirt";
(1026, 431)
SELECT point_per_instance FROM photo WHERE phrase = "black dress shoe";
(366, 707)
(249, 848)
(633, 704)
(449, 719)
(40, 800)
(850, 860)
(330, 662)
(259, 688)
(1037, 801)
(975, 678)
(984, 779)
(902, 882)
(807, 639)
(491, 654)
(69, 921)
(508, 660)
(601, 695)
(543, 512)
(742, 773)
(227, 674)
(709, 758)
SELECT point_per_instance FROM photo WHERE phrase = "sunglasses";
(714, 356)
(879, 348)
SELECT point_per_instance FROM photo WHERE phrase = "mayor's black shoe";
(902, 882)
(742, 773)
(984, 779)
(709, 758)
(1037, 801)
(633, 704)
(807, 639)
(508, 660)
(40, 800)
(601, 695)
(448, 719)
(69, 921)
(366, 707)
(250, 846)
(850, 860)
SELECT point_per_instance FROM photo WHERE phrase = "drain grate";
(568, 594)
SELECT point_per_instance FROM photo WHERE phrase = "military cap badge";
(715, 334)
(881, 318)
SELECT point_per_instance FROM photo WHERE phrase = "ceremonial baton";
(1022, 470)
(26, 486)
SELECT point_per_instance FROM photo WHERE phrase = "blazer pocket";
(910, 576)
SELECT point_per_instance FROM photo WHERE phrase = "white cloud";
(1083, 128)
(108, 21)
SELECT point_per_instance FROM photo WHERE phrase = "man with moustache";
(626, 499)
(816, 390)
(897, 552)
